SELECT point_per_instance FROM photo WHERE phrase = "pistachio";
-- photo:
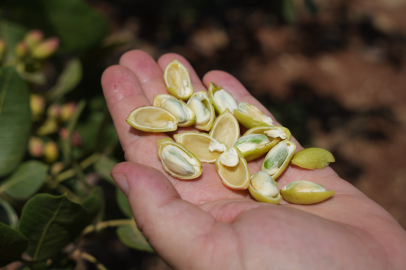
(253, 146)
(235, 177)
(264, 189)
(183, 113)
(251, 142)
(204, 147)
(273, 132)
(226, 129)
(305, 192)
(217, 146)
(312, 158)
(250, 116)
(221, 99)
(177, 80)
(275, 158)
(199, 102)
(177, 160)
(152, 119)
(230, 157)
(278, 158)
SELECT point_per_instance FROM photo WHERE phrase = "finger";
(158, 209)
(147, 71)
(123, 94)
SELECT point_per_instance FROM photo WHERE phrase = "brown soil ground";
(336, 79)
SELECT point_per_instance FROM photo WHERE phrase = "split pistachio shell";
(221, 99)
(273, 132)
(200, 103)
(177, 80)
(204, 147)
(235, 177)
(278, 158)
(184, 114)
(152, 119)
(226, 129)
(264, 189)
(312, 158)
(177, 160)
(253, 146)
(250, 116)
(305, 192)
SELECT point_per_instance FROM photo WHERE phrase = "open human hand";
(202, 224)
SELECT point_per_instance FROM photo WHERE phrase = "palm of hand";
(227, 228)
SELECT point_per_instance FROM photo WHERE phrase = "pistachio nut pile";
(223, 145)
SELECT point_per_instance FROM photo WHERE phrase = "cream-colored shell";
(177, 80)
(199, 144)
(305, 192)
(221, 99)
(264, 189)
(226, 129)
(152, 119)
(184, 114)
(291, 147)
(202, 97)
(177, 160)
(250, 116)
(236, 177)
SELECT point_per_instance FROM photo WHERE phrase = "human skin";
(201, 224)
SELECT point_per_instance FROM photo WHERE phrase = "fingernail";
(121, 181)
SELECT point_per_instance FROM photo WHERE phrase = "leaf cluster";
(57, 144)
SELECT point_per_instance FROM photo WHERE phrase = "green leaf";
(94, 203)
(133, 238)
(13, 244)
(25, 181)
(15, 119)
(73, 21)
(103, 167)
(122, 202)
(50, 223)
(12, 33)
(7, 214)
(68, 80)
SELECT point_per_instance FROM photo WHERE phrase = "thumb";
(172, 226)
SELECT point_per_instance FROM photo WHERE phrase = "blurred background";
(332, 71)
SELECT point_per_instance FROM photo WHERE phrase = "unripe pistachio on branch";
(36, 147)
(37, 104)
(33, 38)
(46, 48)
(75, 140)
(54, 111)
(21, 49)
(67, 110)
(51, 152)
